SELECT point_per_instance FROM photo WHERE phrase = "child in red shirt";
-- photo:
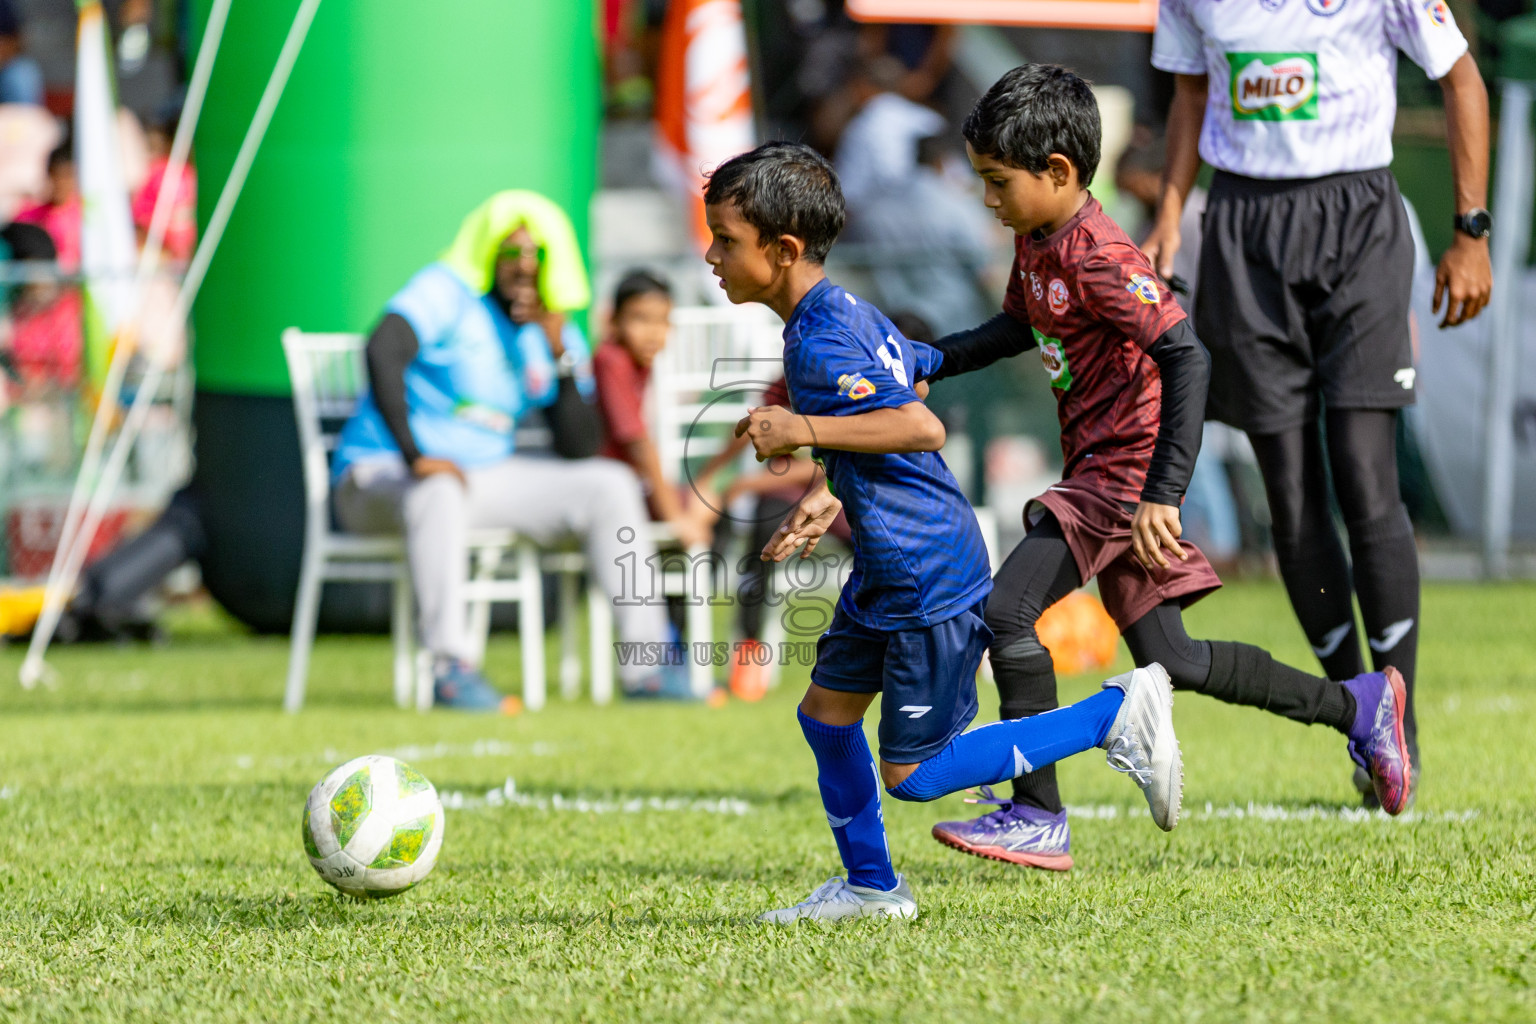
(642, 310)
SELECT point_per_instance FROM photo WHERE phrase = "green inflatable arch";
(399, 119)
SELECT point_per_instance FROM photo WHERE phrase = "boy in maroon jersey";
(1130, 379)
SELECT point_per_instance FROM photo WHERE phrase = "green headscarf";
(563, 284)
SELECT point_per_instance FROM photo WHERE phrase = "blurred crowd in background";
(883, 101)
(46, 397)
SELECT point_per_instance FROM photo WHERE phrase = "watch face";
(1477, 223)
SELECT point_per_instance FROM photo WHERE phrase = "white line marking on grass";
(6, 792)
(507, 795)
(1501, 705)
(411, 752)
(1271, 812)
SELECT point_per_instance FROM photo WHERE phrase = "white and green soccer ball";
(373, 827)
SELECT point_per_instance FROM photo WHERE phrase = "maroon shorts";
(1098, 530)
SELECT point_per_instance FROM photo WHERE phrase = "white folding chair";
(328, 376)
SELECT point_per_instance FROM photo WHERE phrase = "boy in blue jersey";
(909, 622)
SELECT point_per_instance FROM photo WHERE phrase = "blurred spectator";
(642, 309)
(181, 230)
(21, 79)
(931, 239)
(59, 212)
(27, 135)
(466, 348)
(878, 148)
(44, 350)
(755, 503)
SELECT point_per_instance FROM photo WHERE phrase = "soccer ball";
(373, 827)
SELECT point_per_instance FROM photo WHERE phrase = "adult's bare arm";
(1464, 279)
(1186, 115)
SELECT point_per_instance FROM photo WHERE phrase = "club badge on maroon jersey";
(1054, 355)
(1058, 296)
(1145, 289)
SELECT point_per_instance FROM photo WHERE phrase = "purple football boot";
(1377, 741)
(1015, 832)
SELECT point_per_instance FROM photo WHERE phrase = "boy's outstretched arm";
(998, 338)
(1185, 368)
(775, 430)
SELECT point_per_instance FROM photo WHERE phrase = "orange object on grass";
(1079, 634)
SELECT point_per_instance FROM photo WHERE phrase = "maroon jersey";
(1095, 306)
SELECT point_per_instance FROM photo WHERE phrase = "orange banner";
(1129, 15)
(703, 97)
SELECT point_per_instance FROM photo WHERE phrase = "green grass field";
(151, 867)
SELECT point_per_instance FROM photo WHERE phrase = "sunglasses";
(520, 252)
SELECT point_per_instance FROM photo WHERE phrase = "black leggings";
(1041, 571)
(1354, 450)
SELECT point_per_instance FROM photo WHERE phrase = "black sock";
(1387, 580)
(1317, 580)
(1244, 674)
(1026, 682)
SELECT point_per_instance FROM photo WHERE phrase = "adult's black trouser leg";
(1362, 453)
(1236, 673)
(1312, 561)
(1037, 574)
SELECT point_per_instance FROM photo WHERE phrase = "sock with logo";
(1005, 750)
(1387, 582)
(850, 792)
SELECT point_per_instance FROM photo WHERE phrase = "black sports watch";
(1475, 222)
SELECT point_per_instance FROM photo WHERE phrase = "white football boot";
(836, 900)
(1141, 742)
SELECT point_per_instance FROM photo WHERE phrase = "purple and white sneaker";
(1377, 741)
(1015, 832)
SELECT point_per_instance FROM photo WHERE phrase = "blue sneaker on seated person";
(459, 686)
(670, 682)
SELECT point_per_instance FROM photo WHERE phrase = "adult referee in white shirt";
(1305, 274)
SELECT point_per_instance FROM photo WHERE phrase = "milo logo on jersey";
(1274, 86)
(1054, 355)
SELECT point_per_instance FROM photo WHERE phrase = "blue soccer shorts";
(926, 678)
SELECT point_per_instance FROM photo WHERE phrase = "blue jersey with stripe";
(918, 556)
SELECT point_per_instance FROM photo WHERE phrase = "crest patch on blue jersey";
(854, 386)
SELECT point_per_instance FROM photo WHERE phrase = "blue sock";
(850, 791)
(1006, 750)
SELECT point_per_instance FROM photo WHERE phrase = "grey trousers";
(548, 500)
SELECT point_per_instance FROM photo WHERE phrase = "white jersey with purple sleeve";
(918, 557)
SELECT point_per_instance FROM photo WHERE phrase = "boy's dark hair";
(636, 283)
(1033, 111)
(783, 188)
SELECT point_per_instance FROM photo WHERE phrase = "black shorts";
(1303, 294)
(926, 678)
